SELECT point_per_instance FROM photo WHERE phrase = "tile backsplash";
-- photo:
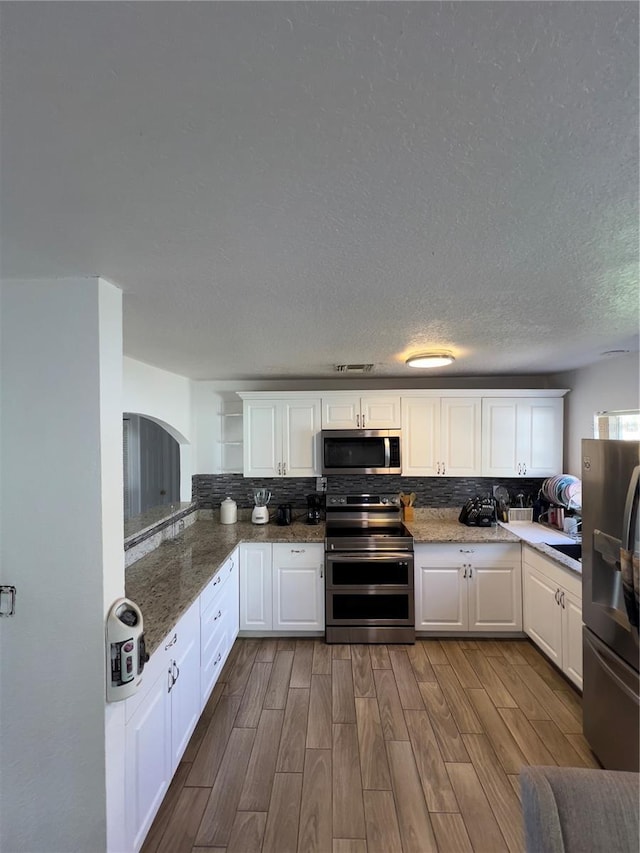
(208, 490)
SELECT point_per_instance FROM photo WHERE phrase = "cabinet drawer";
(223, 610)
(454, 553)
(216, 584)
(218, 630)
(299, 554)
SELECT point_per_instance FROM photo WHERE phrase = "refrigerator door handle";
(608, 547)
(613, 675)
(628, 509)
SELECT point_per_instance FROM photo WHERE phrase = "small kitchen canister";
(228, 511)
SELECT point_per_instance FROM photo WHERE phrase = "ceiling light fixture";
(430, 359)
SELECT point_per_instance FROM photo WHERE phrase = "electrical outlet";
(321, 484)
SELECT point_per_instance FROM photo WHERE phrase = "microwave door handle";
(627, 533)
(387, 452)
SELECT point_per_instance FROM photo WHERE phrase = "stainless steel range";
(369, 571)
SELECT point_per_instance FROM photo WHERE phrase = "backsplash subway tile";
(208, 490)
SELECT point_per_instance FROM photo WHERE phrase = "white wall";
(61, 545)
(613, 383)
(165, 398)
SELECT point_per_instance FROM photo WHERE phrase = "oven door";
(369, 589)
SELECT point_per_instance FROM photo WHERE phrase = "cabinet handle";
(279, 469)
(437, 468)
(562, 599)
(557, 594)
(357, 420)
(443, 470)
(217, 581)
(232, 566)
(467, 551)
(298, 550)
(363, 422)
(171, 642)
(470, 572)
(171, 681)
(321, 572)
(465, 572)
(524, 468)
(177, 671)
(215, 618)
(284, 469)
(217, 660)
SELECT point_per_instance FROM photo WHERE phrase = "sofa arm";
(578, 810)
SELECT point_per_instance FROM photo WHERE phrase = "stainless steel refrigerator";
(610, 552)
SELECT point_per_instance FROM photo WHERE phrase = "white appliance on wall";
(126, 651)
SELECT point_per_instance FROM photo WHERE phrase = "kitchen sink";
(571, 549)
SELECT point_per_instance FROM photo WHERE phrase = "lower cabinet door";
(256, 605)
(572, 638)
(441, 599)
(148, 760)
(542, 614)
(298, 587)
(185, 696)
(495, 598)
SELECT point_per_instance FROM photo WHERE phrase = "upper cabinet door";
(340, 413)
(375, 412)
(301, 438)
(420, 436)
(522, 437)
(460, 442)
(540, 436)
(262, 438)
(441, 436)
(499, 437)
(380, 413)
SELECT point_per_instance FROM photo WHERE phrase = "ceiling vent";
(354, 368)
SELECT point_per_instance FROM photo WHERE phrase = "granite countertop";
(566, 562)
(167, 581)
(443, 529)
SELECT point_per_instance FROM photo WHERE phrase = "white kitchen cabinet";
(160, 722)
(298, 587)
(148, 769)
(185, 696)
(281, 437)
(256, 587)
(219, 622)
(463, 587)
(553, 611)
(281, 587)
(356, 412)
(522, 437)
(441, 436)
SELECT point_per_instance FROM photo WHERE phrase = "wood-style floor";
(369, 749)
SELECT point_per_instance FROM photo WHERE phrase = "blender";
(260, 513)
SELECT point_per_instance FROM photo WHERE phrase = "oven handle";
(387, 452)
(378, 556)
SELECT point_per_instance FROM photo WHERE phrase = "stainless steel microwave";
(361, 451)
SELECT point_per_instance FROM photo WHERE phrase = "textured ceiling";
(280, 187)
